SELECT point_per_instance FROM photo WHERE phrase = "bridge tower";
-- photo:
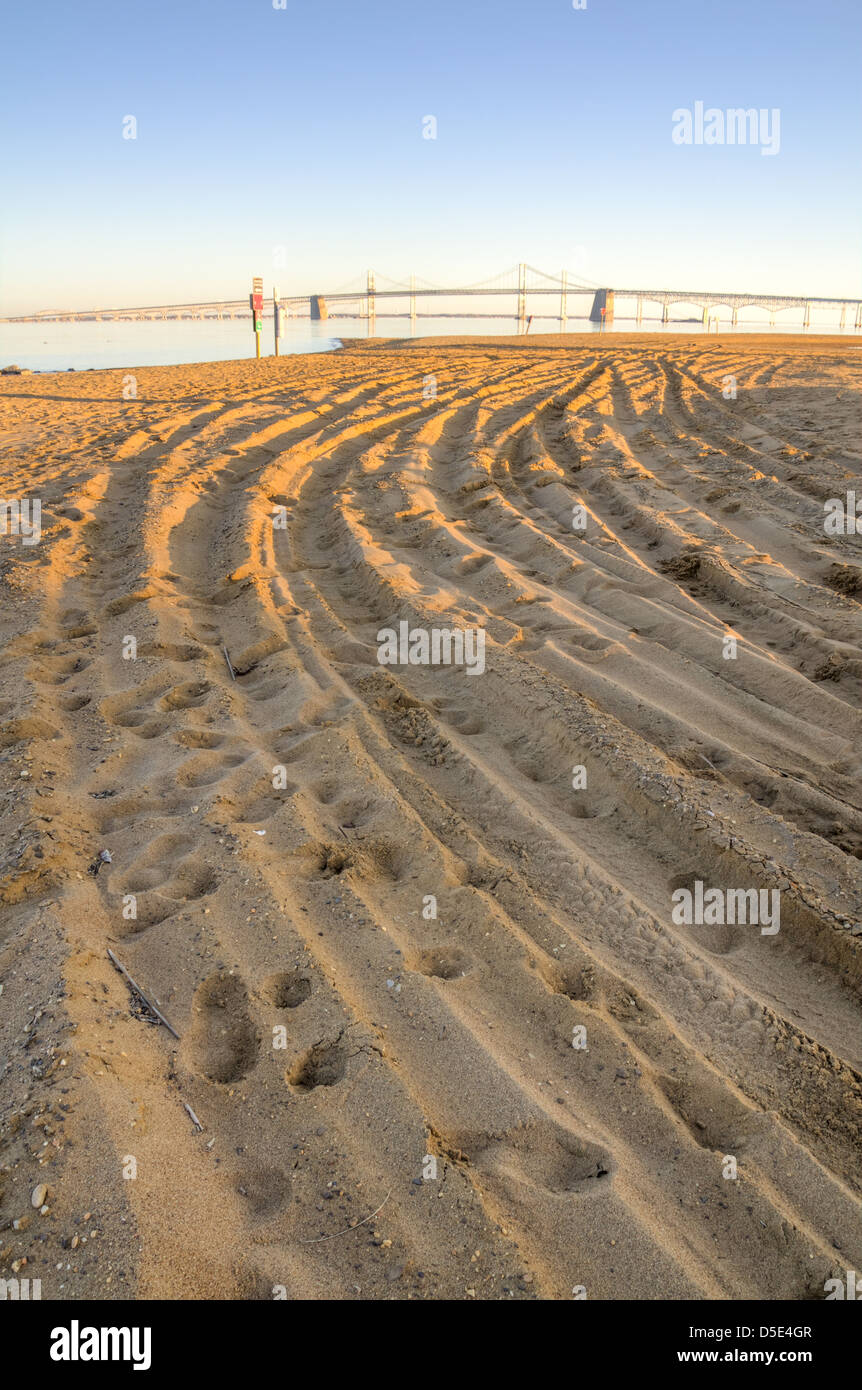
(563, 303)
(372, 306)
(522, 296)
(413, 301)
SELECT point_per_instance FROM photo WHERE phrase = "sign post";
(276, 316)
(255, 300)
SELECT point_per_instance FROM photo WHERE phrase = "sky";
(288, 143)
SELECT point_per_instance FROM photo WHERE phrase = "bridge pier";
(807, 319)
(843, 316)
(734, 318)
(603, 299)
(563, 303)
(639, 312)
(858, 320)
(412, 301)
(318, 308)
(665, 312)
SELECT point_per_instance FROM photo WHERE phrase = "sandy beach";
(438, 1032)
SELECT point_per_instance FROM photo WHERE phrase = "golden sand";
(279, 829)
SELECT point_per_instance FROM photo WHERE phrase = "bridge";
(521, 281)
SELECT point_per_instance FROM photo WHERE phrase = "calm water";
(51, 347)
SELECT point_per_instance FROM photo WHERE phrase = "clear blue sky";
(302, 128)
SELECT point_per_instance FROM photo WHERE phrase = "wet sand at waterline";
(391, 1103)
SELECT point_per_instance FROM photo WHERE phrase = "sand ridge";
(280, 829)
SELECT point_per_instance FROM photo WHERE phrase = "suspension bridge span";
(523, 281)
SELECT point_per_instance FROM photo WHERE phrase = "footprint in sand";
(128, 811)
(132, 709)
(442, 962)
(288, 989)
(223, 1042)
(198, 738)
(167, 864)
(187, 696)
(71, 703)
(322, 1065)
(260, 806)
(208, 768)
(23, 730)
(171, 651)
(57, 670)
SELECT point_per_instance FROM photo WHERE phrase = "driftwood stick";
(149, 1003)
(195, 1119)
(229, 666)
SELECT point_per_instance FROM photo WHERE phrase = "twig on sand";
(227, 659)
(140, 993)
(348, 1229)
(195, 1119)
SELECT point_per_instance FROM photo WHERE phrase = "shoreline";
(540, 341)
